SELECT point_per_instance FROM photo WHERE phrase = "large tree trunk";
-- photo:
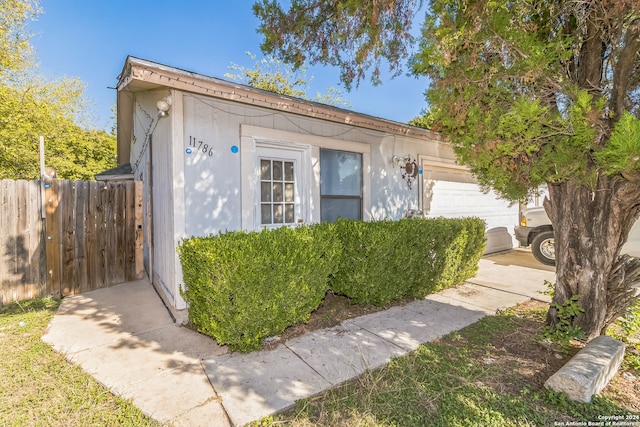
(590, 228)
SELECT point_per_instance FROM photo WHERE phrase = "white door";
(281, 194)
(451, 192)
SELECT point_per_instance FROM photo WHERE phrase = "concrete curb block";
(589, 371)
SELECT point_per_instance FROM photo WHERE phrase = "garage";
(450, 191)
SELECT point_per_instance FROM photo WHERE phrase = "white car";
(535, 230)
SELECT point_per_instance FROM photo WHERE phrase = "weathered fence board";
(90, 237)
(80, 238)
(22, 271)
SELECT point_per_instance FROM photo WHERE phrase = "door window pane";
(277, 192)
(265, 216)
(265, 192)
(265, 169)
(277, 170)
(288, 171)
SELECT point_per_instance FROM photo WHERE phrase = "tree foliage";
(43, 109)
(354, 35)
(531, 92)
(274, 75)
(528, 93)
(15, 50)
(31, 106)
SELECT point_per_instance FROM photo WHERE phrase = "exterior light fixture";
(163, 106)
(409, 167)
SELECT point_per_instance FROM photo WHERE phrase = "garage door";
(449, 191)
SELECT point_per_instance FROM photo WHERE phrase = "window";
(277, 192)
(340, 185)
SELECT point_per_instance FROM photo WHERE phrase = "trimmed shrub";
(385, 261)
(243, 287)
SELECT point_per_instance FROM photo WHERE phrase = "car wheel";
(543, 248)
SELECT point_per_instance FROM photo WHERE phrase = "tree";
(31, 106)
(547, 92)
(273, 75)
(529, 92)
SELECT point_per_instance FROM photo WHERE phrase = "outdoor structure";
(216, 156)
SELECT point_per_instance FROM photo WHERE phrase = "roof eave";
(139, 74)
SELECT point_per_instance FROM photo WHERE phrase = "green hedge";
(385, 261)
(244, 287)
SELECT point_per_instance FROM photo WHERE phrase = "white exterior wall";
(214, 189)
(156, 163)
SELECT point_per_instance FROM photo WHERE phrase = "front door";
(280, 189)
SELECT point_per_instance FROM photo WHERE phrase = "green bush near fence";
(385, 261)
(243, 287)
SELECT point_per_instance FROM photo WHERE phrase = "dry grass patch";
(490, 373)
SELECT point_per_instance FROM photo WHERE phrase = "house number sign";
(196, 145)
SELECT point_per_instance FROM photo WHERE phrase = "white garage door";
(450, 191)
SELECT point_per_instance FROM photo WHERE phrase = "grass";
(490, 374)
(38, 387)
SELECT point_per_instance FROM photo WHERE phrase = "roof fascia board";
(157, 74)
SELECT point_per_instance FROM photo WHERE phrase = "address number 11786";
(200, 146)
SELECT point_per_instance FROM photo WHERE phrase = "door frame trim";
(266, 149)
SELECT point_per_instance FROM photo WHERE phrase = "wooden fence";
(77, 236)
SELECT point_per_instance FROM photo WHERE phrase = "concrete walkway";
(124, 337)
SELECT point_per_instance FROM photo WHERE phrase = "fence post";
(52, 236)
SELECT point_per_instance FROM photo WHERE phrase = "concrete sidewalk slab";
(257, 384)
(343, 352)
(461, 319)
(106, 315)
(409, 326)
(480, 299)
(167, 396)
(126, 339)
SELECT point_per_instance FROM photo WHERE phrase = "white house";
(217, 156)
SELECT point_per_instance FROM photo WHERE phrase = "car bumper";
(522, 234)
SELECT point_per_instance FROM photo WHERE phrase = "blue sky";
(90, 39)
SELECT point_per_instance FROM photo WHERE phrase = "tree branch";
(623, 69)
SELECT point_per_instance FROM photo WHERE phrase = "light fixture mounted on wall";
(163, 106)
(409, 167)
